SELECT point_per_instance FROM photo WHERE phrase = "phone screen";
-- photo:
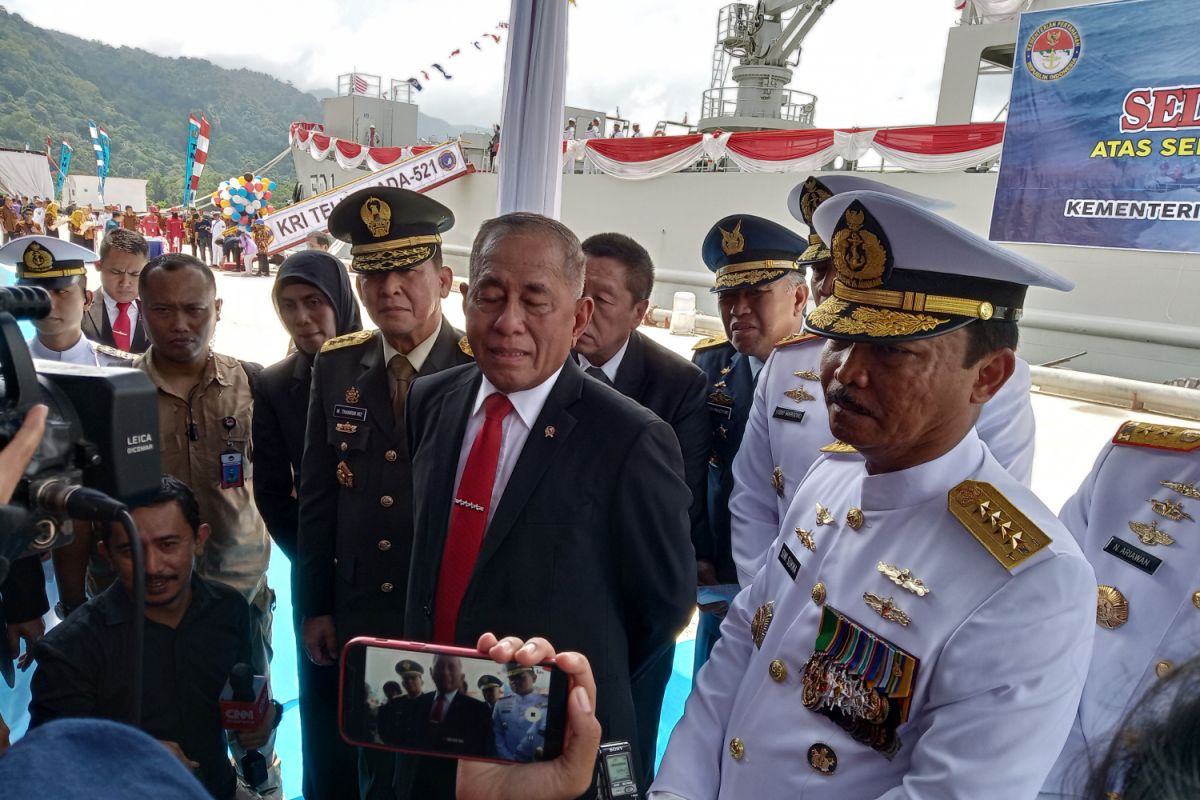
(451, 702)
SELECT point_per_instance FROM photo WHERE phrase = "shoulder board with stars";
(711, 341)
(1158, 437)
(838, 447)
(465, 346)
(114, 352)
(796, 338)
(347, 340)
(998, 525)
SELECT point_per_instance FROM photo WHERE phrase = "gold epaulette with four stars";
(796, 338)
(347, 340)
(711, 341)
(839, 447)
(1006, 533)
(114, 352)
(1158, 437)
(465, 346)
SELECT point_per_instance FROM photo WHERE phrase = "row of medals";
(1112, 608)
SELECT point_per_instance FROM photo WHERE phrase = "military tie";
(599, 375)
(468, 518)
(401, 372)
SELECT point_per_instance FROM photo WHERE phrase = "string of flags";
(477, 44)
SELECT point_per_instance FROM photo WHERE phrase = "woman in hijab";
(314, 301)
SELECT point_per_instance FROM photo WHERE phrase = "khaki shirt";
(238, 550)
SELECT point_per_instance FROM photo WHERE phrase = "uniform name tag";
(350, 412)
(789, 561)
(1134, 556)
(789, 414)
(724, 411)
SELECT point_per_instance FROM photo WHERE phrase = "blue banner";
(64, 164)
(193, 138)
(1102, 145)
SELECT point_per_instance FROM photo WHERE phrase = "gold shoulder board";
(465, 346)
(112, 351)
(796, 338)
(1158, 437)
(999, 526)
(838, 447)
(347, 340)
(711, 341)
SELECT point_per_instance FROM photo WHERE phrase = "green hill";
(52, 83)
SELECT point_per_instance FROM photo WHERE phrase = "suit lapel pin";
(549, 432)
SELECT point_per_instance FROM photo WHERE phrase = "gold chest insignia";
(855, 518)
(1150, 534)
(1170, 509)
(726, 370)
(352, 395)
(999, 526)
(838, 447)
(903, 578)
(1112, 609)
(858, 255)
(1185, 489)
(808, 375)
(798, 395)
(824, 517)
(806, 539)
(732, 242)
(719, 397)
(761, 622)
(465, 346)
(346, 427)
(377, 215)
(886, 608)
(344, 476)
(777, 480)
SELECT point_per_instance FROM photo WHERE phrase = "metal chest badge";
(344, 476)
(762, 622)
(352, 395)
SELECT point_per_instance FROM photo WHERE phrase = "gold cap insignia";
(732, 242)
(377, 215)
(37, 258)
(1112, 609)
(860, 257)
(814, 194)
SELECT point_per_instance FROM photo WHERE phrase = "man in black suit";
(546, 502)
(115, 316)
(315, 303)
(446, 720)
(620, 277)
(355, 533)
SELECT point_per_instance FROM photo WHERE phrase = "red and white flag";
(201, 155)
(358, 83)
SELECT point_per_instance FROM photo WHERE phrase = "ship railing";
(794, 106)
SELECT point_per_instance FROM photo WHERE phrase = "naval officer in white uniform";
(788, 426)
(922, 623)
(59, 267)
(1137, 518)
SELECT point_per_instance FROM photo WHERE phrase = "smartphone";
(450, 702)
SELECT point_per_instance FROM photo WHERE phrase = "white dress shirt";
(611, 366)
(527, 404)
(79, 353)
(110, 308)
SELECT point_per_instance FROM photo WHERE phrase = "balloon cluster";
(243, 199)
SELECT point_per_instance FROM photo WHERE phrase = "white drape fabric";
(535, 83)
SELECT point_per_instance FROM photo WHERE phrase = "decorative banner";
(1103, 127)
(201, 158)
(100, 143)
(193, 138)
(423, 172)
(64, 164)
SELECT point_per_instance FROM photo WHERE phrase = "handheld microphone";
(77, 502)
(244, 704)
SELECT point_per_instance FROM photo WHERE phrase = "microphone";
(77, 502)
(244, 704)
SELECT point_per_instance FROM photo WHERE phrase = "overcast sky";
(870, 62)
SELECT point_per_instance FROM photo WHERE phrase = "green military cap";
(46, 261)
(389, 228)
(409, 667)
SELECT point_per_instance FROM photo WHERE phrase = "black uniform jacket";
(356, 514)
(589, 542)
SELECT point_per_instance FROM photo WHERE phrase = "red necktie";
(468, 519)
(439, 708)
(120, 327)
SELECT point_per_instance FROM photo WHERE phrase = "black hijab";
(325, 273)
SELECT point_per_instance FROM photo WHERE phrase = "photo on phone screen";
(450, 702)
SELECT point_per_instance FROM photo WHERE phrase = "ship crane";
(765, 39)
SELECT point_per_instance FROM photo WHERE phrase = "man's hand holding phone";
(561, 778)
